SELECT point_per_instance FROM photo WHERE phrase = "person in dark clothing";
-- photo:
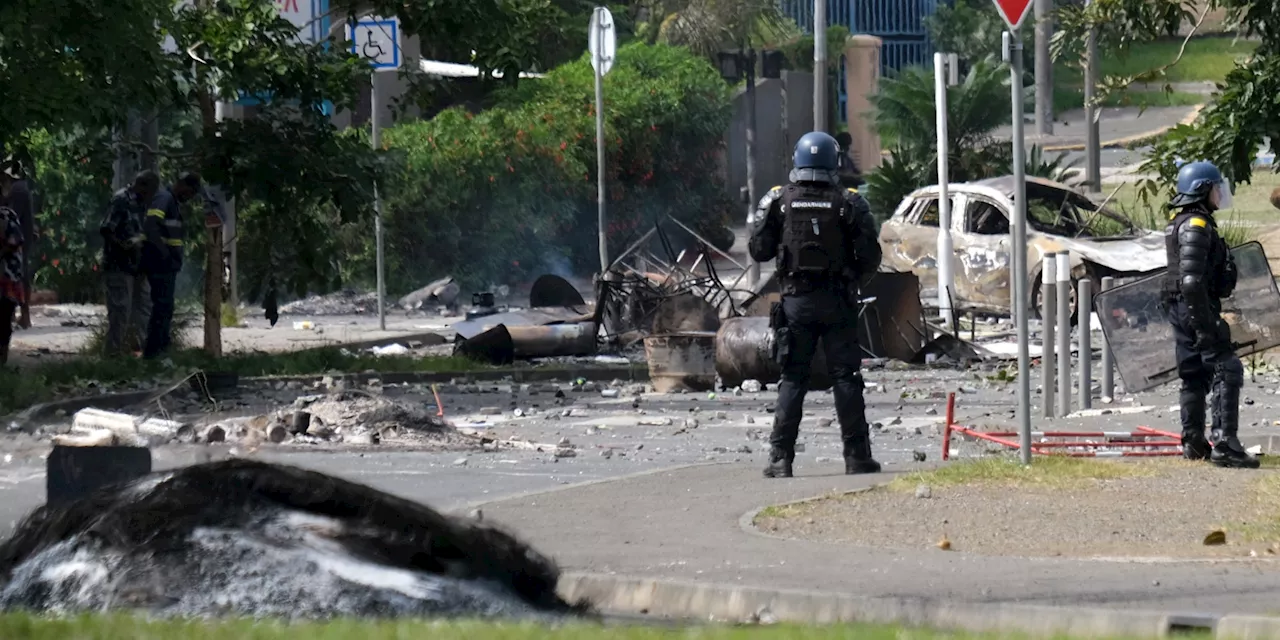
(13, 293)
(850, 174)
(15, 193)
(128, 295)
(162, 258)
(825, 242)
(1200, 273)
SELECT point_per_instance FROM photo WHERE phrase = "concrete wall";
(784, 112)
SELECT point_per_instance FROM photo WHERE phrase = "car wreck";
(1101, 242)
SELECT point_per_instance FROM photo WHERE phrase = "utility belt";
(793, 284)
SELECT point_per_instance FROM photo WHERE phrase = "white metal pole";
(1048, 317)
(600, 175)
(1108, 361)
(819, 65)
(377, 204)
(1064, 333)
(946, 280)
(1013, 51)
(1085, 304)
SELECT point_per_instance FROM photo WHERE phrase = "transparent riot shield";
(1142, 340)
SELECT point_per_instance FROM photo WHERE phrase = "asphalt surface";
(666, 499)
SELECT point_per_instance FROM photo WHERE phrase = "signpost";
(378, 41)
(946, 279)
(1014, 12)
(602, 42)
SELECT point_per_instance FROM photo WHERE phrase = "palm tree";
(905, 117)
(709, 26)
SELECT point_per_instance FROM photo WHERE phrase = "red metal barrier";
(1080, 444)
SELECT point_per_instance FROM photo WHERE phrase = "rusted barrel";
(682, 361)
(743, 347)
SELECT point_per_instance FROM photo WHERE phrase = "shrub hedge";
(511, 191)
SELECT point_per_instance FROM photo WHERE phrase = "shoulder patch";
(1198, 222)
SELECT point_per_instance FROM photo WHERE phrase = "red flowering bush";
(511, 191)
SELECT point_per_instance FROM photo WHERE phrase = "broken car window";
(985, 218)
(928, 214)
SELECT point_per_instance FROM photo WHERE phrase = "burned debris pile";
(245, 538)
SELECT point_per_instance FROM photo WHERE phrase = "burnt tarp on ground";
(249, 539)
(1142, 340)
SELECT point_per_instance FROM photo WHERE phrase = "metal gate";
(899, 23)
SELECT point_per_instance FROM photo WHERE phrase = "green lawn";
(20, 627)
(1207, 59)
(1251, 202)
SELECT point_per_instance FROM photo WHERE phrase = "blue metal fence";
(899, 23)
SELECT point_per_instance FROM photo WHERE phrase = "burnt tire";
(1036, 297)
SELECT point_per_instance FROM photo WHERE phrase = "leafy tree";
(61, 66)
(709, 26)
(491, 197)
(1241, 115)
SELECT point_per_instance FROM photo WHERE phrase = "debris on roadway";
(249, 539)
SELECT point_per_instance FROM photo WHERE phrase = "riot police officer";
(1200, 273)
(825, 241)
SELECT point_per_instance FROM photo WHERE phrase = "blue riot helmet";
(817, 156)
(1196, 183)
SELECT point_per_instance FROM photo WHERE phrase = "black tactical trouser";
(828, 315)
(1214, 367)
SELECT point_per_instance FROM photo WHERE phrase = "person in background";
(1200, 274)
(13, 292)
(15, 193)
(128, 295)
(850, 174)
(162, 258)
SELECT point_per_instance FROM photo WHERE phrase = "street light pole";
(819, 65)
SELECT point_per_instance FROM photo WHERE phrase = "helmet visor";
(1224, 194)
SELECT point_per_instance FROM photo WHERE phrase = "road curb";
(1248, 628)
(691, 600)
(632, 373)
(1136, 140)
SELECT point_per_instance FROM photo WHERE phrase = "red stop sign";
(1013, 11)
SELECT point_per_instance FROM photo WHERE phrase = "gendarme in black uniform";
(825, 241)
(1201, 272)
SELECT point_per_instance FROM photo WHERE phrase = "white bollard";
(1064, 333)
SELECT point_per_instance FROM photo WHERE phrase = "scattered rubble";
(347, 302)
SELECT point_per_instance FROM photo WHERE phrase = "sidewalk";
(1118, 126)
(684, 524)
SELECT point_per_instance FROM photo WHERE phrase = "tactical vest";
(813, 232)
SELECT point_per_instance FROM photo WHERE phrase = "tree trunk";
(213, 256)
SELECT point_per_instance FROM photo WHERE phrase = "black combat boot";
(857, 455)
(779, 463)
(1194, 444)
(1227, 450)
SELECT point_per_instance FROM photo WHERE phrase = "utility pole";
(1093, 145)
(819, 65)
(749, 68)
(1044, 67)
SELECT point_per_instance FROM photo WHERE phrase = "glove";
(1215, 333)
(1229, 277)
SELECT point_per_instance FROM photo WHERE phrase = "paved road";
(679, 521)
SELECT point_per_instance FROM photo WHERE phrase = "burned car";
(1101, 242)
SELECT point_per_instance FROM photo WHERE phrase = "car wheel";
(1037, 296)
